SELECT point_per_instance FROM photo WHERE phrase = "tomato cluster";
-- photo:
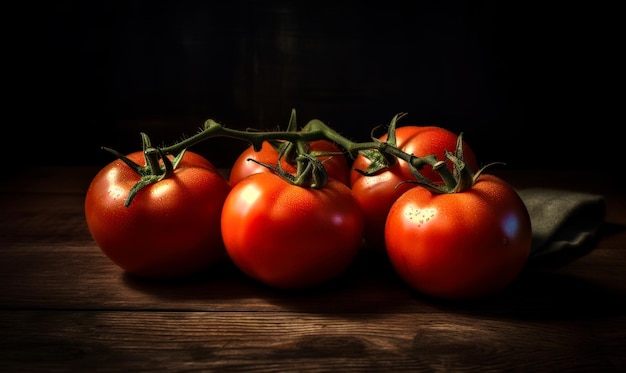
(464, 243)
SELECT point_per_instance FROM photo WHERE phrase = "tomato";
(171, 228)
(287, 236)
(376, 193)
(336, 166)
(461, 245)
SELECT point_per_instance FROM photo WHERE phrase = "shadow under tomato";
(543, 296)
(371, 286)
(368, 285)
(222, 281)
(554, 288)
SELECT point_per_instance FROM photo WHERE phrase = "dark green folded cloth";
(565, 224)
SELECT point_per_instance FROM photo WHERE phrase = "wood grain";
(65, 307)
(286, 341)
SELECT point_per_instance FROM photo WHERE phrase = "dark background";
(529, 84)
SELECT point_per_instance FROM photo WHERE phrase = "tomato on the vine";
(336, 165)
(287, 236)
(463, 245)
(376, 193)
(171, 228)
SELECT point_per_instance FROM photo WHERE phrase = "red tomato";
(461, 245)
(376, 193)
(287, 236)
(171, 228)
(336, 165)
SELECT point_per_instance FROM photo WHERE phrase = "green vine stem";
(460, 178)
(318, 130)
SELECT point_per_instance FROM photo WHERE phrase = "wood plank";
(38, 218)
(65, 307)
(277, 341)
(45, 276)
(63, 277)
(54, 263)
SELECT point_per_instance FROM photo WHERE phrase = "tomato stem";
(152, 161)
(317, 130)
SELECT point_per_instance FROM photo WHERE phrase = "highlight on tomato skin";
(290, 237)
(466, 245)
(376, 193)
(171, 229)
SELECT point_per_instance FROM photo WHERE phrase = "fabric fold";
(564, 223)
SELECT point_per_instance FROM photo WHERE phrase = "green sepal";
(157, 166)
(380, 161)
(310, 172)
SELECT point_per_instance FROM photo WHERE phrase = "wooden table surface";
(65, 307)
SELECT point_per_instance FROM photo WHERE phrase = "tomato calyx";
(158, 166)
(293, 150)
(379, 161)
(384, 155)
(310, 171)
(460, 179)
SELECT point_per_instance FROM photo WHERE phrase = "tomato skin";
(336, 166)
(290, 237)
(377, 193)
(171, 228)
(462, 245)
